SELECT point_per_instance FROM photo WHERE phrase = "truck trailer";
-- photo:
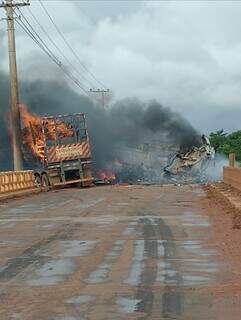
(58, 149)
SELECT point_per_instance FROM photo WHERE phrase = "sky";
(184, 54)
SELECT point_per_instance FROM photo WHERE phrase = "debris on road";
(190, 166)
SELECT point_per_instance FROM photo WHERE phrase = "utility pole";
(103, 92)
(9, 6)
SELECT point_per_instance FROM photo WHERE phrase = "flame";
(27, 117)
(33, 136)
(33, 139)
(106, 175)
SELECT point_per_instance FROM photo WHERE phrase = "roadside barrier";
(14, 181)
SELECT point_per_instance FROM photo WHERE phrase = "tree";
(218, 139)
(226, 143)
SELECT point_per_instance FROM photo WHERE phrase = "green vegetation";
(227, 143)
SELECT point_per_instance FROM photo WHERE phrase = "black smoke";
(128, 122)
(5, 154)
(137, 122)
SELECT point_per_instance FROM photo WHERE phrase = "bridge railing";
(14, 181)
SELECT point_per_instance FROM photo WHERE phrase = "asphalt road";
(116, 252)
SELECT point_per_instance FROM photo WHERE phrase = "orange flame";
(106, 175)
(33, 139)
(27, 117)
(33, 136)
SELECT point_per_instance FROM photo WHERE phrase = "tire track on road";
(171, 300)
(145, 292)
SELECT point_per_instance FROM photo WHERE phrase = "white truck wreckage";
(190, 165)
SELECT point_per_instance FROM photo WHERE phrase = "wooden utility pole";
(103, 92)
(9, 6)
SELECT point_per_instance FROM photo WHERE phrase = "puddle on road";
(16, 316)
(195, 279)
(188, 268)
(76, 248)
(100, 275)
(45, 225)
(197, 249)
(190, 219)
(131, 229)
(88, 204)
(138, 263)
(52, 272)
(7, 224)
(70, 248)
(45, 281)
(66, 318)
(127, 305)
(2, 268)
(122, 204)
(16, 243)
(202, 266)
(35, 208)
(81, 299)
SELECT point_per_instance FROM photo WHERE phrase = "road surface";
(116, 252)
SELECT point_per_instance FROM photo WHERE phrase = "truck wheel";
(37, 181)
(79, 185)
(45, 182)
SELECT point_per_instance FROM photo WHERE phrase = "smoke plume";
(126, 123)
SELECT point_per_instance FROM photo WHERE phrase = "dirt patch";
(221, 205)
(228, 199)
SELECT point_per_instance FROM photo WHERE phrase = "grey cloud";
(98, 10)
(186, 55)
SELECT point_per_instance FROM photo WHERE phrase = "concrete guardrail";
(14, 181)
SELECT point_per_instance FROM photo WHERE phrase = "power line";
(40, 42)
(57, 47)
(35, 36)
(49, 53)
(68, 45)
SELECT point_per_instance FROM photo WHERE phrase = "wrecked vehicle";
(58, 149)
(191, 165)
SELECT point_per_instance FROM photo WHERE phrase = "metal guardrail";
(14, 181)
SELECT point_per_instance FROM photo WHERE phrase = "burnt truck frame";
(66, 159)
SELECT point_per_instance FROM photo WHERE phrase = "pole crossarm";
(103, 92)
(99, 91)
(14, 5)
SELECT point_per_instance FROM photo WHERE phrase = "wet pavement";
(117, 252)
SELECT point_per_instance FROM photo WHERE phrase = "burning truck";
(190, 166)
(57, 148)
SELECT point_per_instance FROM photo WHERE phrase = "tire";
(79, 185)
(37, 181)
(45, 182)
